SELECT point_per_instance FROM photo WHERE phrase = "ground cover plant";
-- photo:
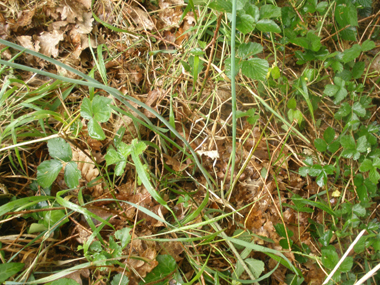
(189, 142)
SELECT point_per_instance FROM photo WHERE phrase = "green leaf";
(292, 103)
(326, 237)
(9, 269)
(245, 23)
(249, 49)
(314, 41)
(125, 150)
(124, 236)
(368, 45)
(60, 149)
(275, 72)
(351, 53)
(329, 257)
(253, 11)
(138, 147)
(358, 109)
(333, 147)
(320, 145)
(112, 156)
(268, 26)
(270, 11)
(86, 109)
(227, 67)
(281, 230)
(303, 171)
(47, 172)
(346, 264)
(221, 5)
(120, 279)
(322, 6)
(363, 144)
(331, 90)
(346, 14)
(166, 265)
(72, 175)
(359, 210)
(52, 217)
(95, 130)
(366, 165)
(255, 68)
(101, 108)
(348, 142)
(256, 266)
(329, 135)
(120, 166)
(358, 69)
(295, 115)
(344, 110)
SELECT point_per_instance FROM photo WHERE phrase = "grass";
(266, 177)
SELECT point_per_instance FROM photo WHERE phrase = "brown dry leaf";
(24, 19)
(76, 276)
(177, 166)
(141, 18)
(171, 17)
(151, 99)
(173, 248)
(88, 170)
(85, 3)
(49, 41)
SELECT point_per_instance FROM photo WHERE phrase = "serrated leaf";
(351, 53)
(344, 110)
(326, 238)
(358, 69)
(270, 11)
(363, 144)
(166, 265)
(320, 145)
(60, 149)
(124, 236)
(249, 49)
(124, 149)
(329, 257)
(366, 165)
(227, 67)
(86, 109)
(95, 130)
(358, 109)
(120, 167)
(120, 279)
(47, 172)
(348, 142)
(368, 45)
(268, 26)
(253, 11)
(72, 175)
(331, 90)
(334, 146)
(329, 135)
(101, 108)
(9, 269)
(245, 23)
(138, 147)
(221, 5)
(314, 41)
(346, 264)
(303, 171)
(255, 68)
(112, 156)
(340, 95)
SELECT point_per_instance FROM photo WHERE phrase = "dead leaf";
(141, 18)
(177, 166)
(49, 41)
(213, 154)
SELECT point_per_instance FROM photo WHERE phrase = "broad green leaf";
(329, 135)
(331, 90)
(320, 145)
(240, 4)
(326, 238)
(95, 130)
(253, 11)
(120, 167)
(255, 68)
(344, 110)
(359, 210)
(303, 171)
(315, 170)
(120, 279)
(281, 230)
(329, 257)
(112, 156)
(321, 7)
(270, 11)
(221, 5)
(368, 45)
(268, 26)
(340, 95)
(334, 146)
(138, 147)
(295, 115)
(257, 266)
(275, 72)
(346, 264)
(101, 108)
(124, 236)
(166, 265)
(292, 103)
(47, 172)
(366, 165)
(245, 23)
(227, 67)
(348, 142)
(314, 41)
(359, 109)
(60, 149)
(72, 175)
(362, 144)
(249, 49)
(124, 149)
(358, 69)
(351, 53)
(52, 217)
(9, 269)
(346, 14)
(86, 109)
